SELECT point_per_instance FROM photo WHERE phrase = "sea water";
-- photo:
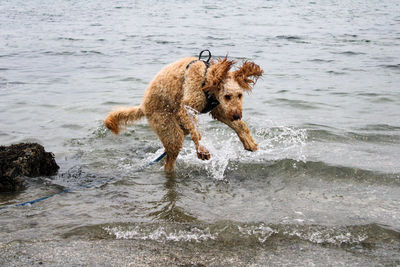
(325, 115)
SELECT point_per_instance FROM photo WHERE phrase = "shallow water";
(326, 117)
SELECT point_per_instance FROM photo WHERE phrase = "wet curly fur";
(175, 88)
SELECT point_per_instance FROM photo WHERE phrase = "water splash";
(282, 142)
(221, 149)
(219, 146)
(274, 143)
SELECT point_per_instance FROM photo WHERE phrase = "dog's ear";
(217, 74)
(247, 75)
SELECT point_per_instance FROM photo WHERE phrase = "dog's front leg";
(239, 127)
(189, 123)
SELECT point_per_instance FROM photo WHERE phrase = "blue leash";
(89, 185)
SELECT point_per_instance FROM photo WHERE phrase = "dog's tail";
(122, 116)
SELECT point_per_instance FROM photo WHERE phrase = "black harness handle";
(207, 62)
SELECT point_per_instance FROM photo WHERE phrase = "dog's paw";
(203, 154)
(251, 146)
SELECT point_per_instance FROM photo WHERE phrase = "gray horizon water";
(326, 116)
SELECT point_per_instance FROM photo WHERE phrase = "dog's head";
(228, 86)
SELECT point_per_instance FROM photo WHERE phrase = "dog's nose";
(236, 117)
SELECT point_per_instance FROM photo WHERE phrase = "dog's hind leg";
(171, 135)
(239, 127)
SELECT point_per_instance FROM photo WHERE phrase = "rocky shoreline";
(23, 160)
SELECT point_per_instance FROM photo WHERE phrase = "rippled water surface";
(326, 116)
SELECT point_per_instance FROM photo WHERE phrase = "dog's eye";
(240, 96)
(227, 97)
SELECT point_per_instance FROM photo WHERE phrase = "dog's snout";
(236, 117)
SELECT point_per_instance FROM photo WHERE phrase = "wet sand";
(152, 253)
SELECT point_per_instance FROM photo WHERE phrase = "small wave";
(325, 135)
(351, 38)
(69, 39)
(233, 232)
(133, 79)
(72, 53)
(163, 42)
(292, 38)
(369, 94)
(320, 170)
(15, 82)
(300, 104)
(383, 100)
(114, 103)
(391, 66)
(350, 35)
(91, 52)
(72, 126)
(380, 133)
(2, 134)
(311, 233)
(216, 38)
(319, 60)
(161, 234)
(61, 53)
(288, 37)
(336, 72)
(9, 55)
(123, 7)
(349, 53)
(356, 41)
(47, 106)
(374, 138)
(340, 93)
(380, 127)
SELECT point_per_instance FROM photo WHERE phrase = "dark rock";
(25, 159)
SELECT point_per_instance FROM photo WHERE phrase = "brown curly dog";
(192, 83)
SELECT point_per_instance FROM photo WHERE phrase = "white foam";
(261, 232)
(327, 236)
(160, 234)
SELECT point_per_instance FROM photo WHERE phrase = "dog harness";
(211, 100)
